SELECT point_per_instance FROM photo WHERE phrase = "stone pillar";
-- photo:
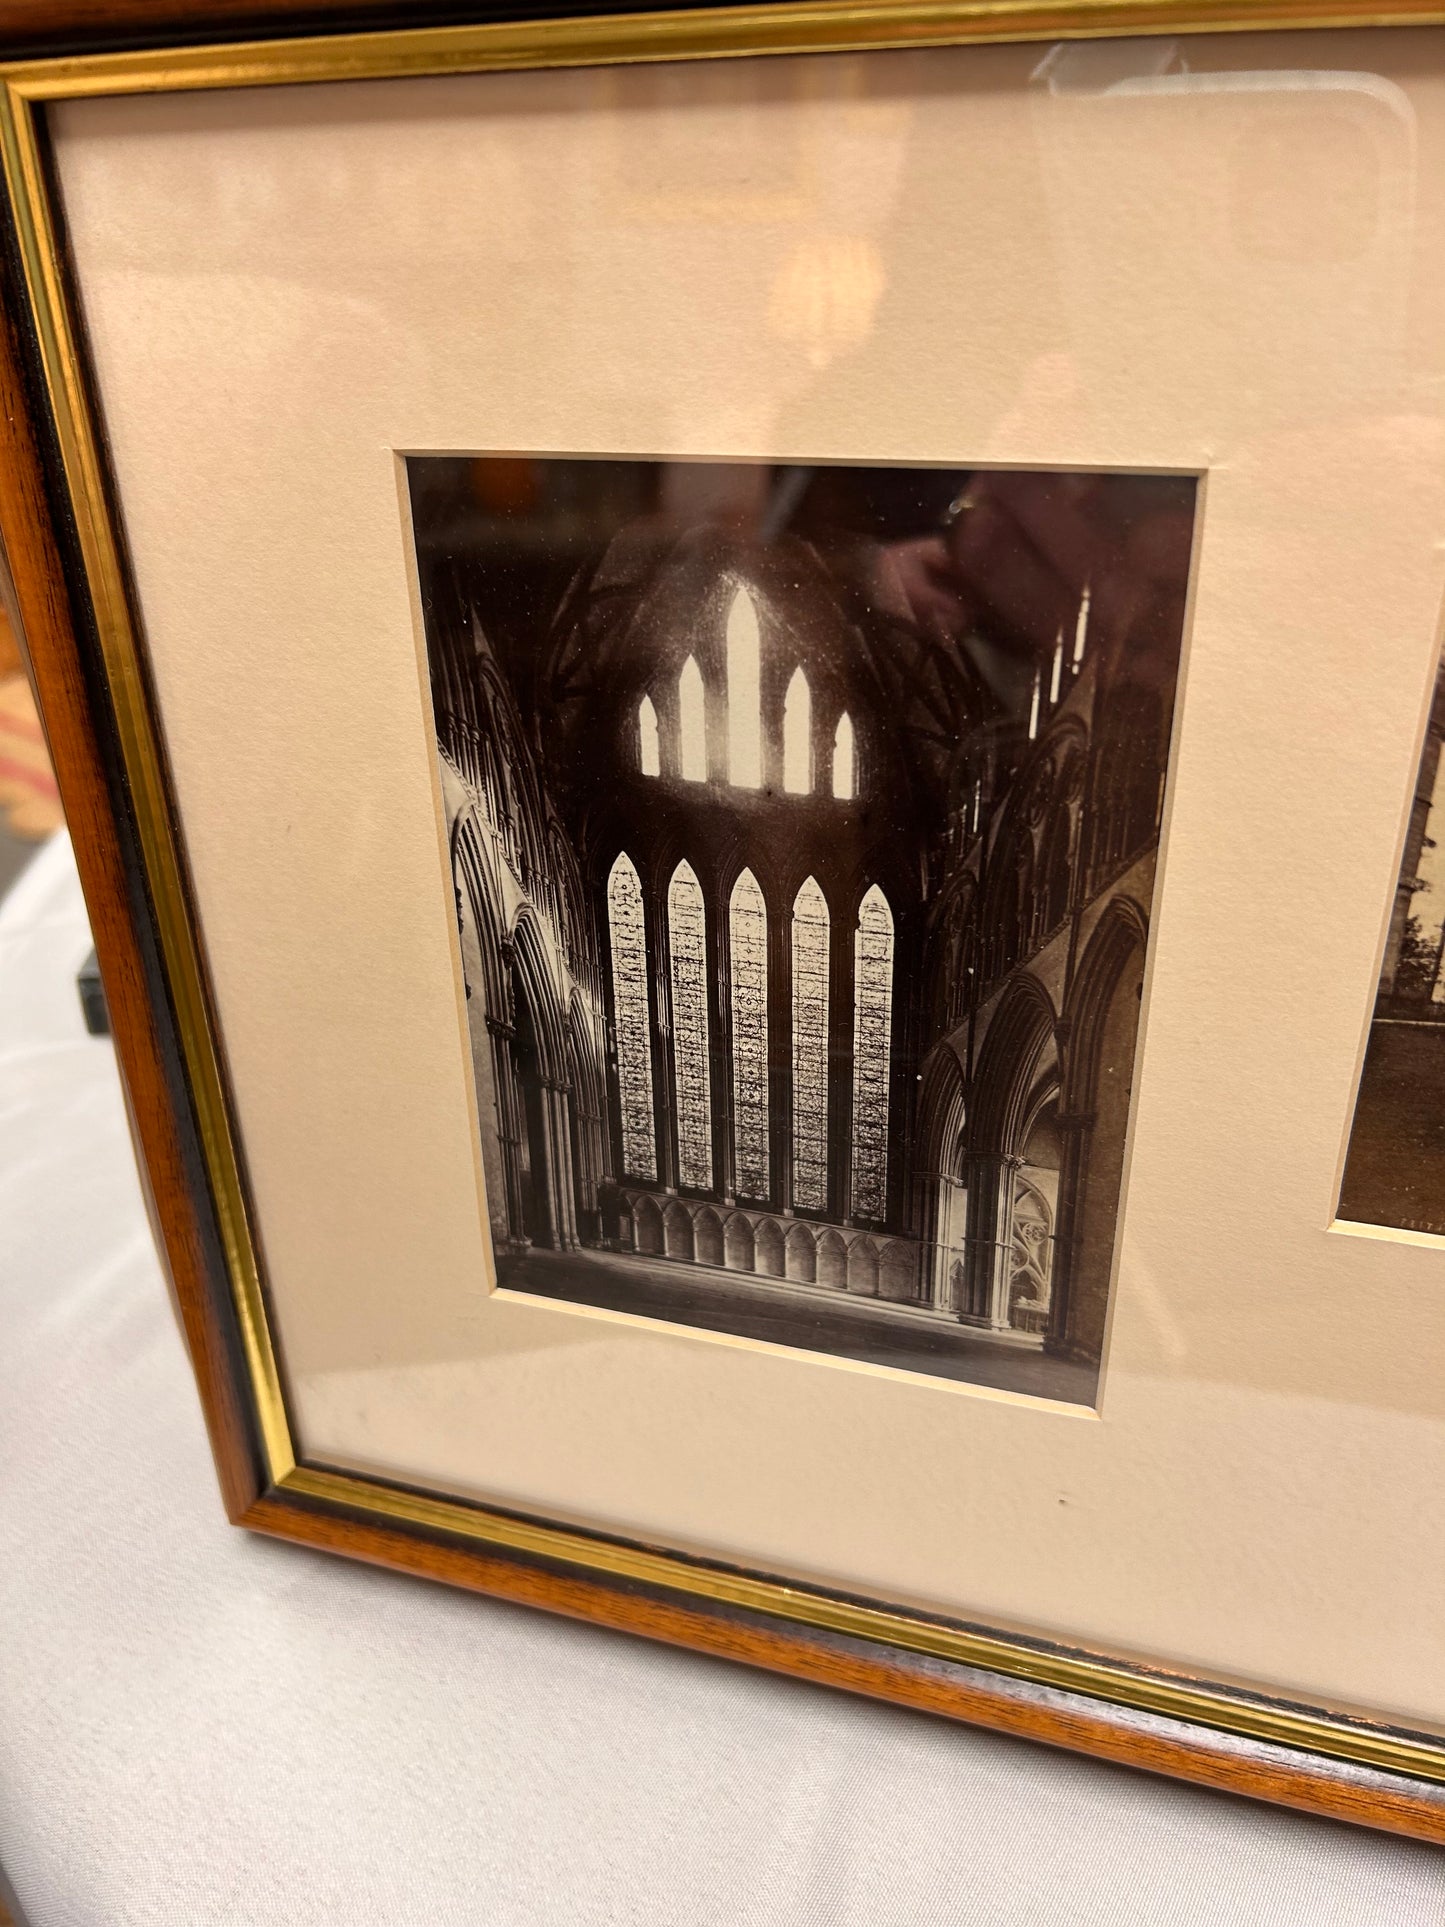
(509, 1122)
(991, 1182)
(560, 1193)
(1074, 1128)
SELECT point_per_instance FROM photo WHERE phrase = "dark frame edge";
(46, 578)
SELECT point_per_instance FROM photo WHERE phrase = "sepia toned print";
(803, 825)
(1395, 1165)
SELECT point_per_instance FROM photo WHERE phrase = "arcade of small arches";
(767, 1245)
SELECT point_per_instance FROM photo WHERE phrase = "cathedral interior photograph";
(1395, 1165)
(803, 824)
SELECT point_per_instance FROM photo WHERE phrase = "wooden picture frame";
(73, 600)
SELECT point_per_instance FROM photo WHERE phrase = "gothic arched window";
(628, 934)
(797, 736)
(844, 776)
(692, 723)
(748, 936)
(687, 941)
(810, 1048)
(872, 1025)
(745, 721)
(649, 755)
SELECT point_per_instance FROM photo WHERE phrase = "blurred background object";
(29, 800)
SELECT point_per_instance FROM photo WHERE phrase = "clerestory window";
(692, 723)
(798, 736)
(649, 752)
(745, 721)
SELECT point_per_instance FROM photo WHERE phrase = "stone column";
(509, 1122)
(991, 1184)
(561, 1196)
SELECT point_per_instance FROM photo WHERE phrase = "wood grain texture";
(56, 622)
(1139, 1740)
(75, 714)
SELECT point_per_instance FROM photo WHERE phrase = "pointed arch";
(863, 1268)
(748, 944)
(692, 1078)
(692, 723)
(649, 749)
(631, 1018)
(1021, 1031)
(738, 1245)
(845, 769)
(745, 722)
(801, 1254)
(872, 1053)
(898, 1273)
(677, 1231)
(708, 1237)
(832, 1261)
(798, 736)
(811, 930)
(647, 1228)
(768, 1249)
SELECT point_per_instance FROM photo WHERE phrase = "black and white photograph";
(1395, 1165)
(804, 823)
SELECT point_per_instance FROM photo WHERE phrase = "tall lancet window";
(634, 1026)
(810, 1048)
(748, 935)
(845, 781)
(692, 722)
(797, 736)
(745, 720)
(649, 756)
(872, 1029)
(687, 934)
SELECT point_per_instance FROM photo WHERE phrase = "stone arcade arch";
(1006, 1089)
(677, 1231)
(707, 1234)
(801, 1254)
(768, 1250)
(546, 1180)
(1098, 1075)
(944, 1180)
(489, 1024)
(832, 1260)
(739, 1247)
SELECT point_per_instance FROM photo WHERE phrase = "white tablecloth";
(200, 1726)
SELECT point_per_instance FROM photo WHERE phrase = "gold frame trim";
(797, 26)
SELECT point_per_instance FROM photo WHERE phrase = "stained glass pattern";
(748, 932)
(810, 1048)
(687, 933)
(627, 929)
(872, 1025)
